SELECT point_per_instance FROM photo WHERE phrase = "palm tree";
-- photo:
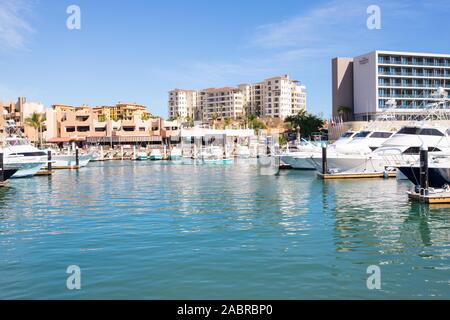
(343, 112)
(36, 121)
(214, 117)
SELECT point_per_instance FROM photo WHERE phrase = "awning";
(124, 139)
(62, 140)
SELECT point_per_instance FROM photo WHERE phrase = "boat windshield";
(16, 142)
(420, 131)
(347, 135)
(382, 135)
(362, 134)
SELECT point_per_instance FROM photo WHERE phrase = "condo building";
(221, 103)
(277, 97)
(182, 103)
(366, 83)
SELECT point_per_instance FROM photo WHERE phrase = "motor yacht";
(438, 172)
(19, 154)
(402, 149)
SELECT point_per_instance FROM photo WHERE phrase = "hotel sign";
(364, 60)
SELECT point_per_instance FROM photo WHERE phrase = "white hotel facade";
(407, 77)
(277, 97)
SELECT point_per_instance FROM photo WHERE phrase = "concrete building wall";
(365, 85)
(342, 86)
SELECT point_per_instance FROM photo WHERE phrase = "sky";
(138, 50)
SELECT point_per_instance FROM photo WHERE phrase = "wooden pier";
(358, 175)
(44, 173)
(434, 198)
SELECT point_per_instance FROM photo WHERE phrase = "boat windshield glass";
(347, 135)
(362, 134)
(16, 142)
(409, 130)
(431, 132)
(382, 135)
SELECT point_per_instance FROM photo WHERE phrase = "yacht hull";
(8, 173)
(438, 177)
(299, 162)
(63, 161)
(25, 166)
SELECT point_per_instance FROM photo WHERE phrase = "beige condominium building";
(182, 103)
(366, 83)
(221, 103)
(277, 97)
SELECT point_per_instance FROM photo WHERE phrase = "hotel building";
(277, 97)
(366, 83)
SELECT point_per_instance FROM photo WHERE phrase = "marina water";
(161, 230)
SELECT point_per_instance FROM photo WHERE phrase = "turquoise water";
(171, 231)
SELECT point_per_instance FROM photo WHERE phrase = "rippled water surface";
(173, 231)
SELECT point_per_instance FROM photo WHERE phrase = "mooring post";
(324, 159)
(77, 158)
(49, 159)
(424, 171)
(2, 167)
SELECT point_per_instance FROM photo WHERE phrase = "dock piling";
(2, 166)
(324, 160)
(49, 159)
(424, 182)
(77, 158)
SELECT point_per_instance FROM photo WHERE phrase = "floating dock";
(433, 198)
(44, 173)
(357, 175)
(65, 167)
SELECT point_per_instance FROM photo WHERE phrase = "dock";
(44, 173)
(433, 198)
(357, 175)
(74, 167)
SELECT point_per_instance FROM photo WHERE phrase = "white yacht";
(301, 158)
(298, 158)
(69, 160)
(19, 154)
(399, 150)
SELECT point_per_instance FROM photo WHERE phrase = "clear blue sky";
(138, 50)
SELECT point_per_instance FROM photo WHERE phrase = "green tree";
(343, 112)
(36, 121)
(214, 118)
(227, 122)
(307, 122)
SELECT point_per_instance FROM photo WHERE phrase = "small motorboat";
(156, 155)
(141, 156)
(175, 154)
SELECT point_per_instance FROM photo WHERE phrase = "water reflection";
(201, 231)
